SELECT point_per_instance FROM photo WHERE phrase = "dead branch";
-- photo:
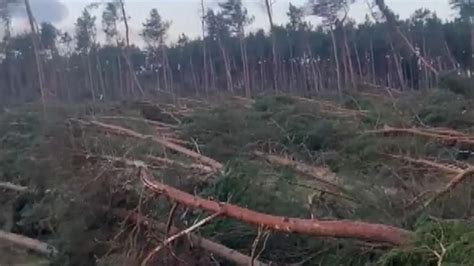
(452, 138)
(322, 174)
(450, 169)
(450, 186)
(118, 130)
(212, 247)
(37, 246)
(337, 228)
(178, 235)
(11, 186)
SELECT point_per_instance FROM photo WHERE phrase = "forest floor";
(403, 160)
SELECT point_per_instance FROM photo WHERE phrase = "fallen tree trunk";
(321, 174)
(10, 186)
(445, 168)
(206, 244)
(337, 228)
(193, 166)
(451, 185)
(332, 108)
(118, 130)
(28, 243)
(138, 119)
(443, 136)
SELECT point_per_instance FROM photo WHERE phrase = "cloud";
(44, 11)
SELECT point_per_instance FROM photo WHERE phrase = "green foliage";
(442, 108)
(85, 31)
(458, 84)
(436, 243)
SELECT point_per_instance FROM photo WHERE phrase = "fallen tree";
(118, 130)
(450, 137)
(450, 169)
(10, 186)
(450, 186)
(21, 241)
(321, 174)
(337, 228)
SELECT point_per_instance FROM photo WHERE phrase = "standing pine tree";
(236, 16)
(154, 34)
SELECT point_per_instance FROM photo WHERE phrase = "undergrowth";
(45, 151)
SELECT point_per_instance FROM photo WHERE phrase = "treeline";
(383, 52)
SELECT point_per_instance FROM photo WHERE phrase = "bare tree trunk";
(193, 75)
(359, 65)
(204, 48)
(100, 74)
(336, 59)
(243, 54)
(398, 67)
(372, 62)
(268, 6)
(132, 77)
(472, 41)
(392, 21)
(230, 86)
(35, 41)
(349, 60)
(28, 243)
(453, 62)
(89, 75)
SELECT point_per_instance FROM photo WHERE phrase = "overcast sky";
(185, 14)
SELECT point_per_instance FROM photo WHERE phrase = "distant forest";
(383, 52)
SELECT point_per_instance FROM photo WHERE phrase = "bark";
(28, 243)
(338, 228)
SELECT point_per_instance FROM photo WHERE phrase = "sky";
(185, 14)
